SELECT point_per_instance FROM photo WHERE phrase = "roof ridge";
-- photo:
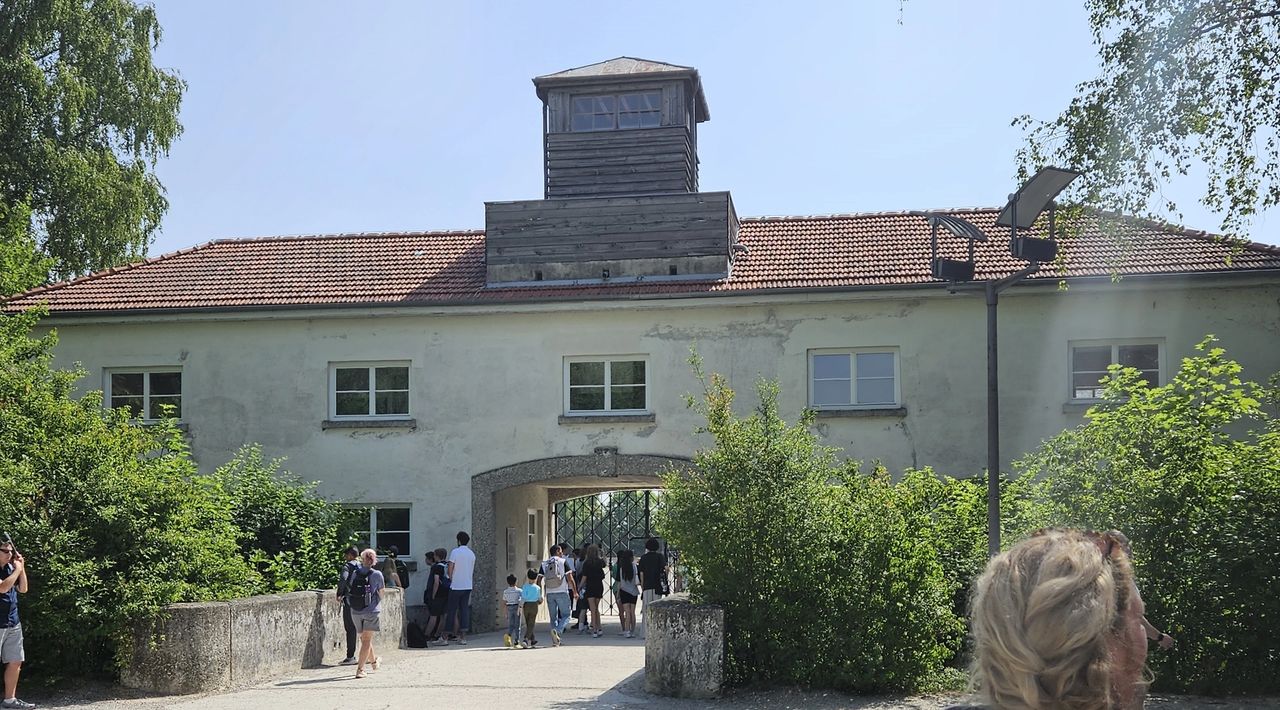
(850, 215)
(347, 235)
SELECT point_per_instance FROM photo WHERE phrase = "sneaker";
(524, 643)
(597, 634)
(461, 641)
(376, 662)
(506, 640)
(533, 642)
(16, 703)
(348, 661)
(631, 634)
(442, 641)
(360, 674)
(555, 638)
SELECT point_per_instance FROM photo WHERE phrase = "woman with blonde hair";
(1057, 625)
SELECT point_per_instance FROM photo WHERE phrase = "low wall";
(218, 645)
(684, 648)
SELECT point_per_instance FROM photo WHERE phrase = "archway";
(502, 499)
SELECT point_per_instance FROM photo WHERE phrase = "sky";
(319, 117)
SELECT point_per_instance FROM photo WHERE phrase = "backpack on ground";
(415, 636)
(359, 591)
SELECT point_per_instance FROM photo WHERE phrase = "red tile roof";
(877, 250)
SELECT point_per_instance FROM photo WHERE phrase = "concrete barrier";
(684, 648)
(197, 648)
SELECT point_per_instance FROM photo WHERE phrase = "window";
(1089, 363)
(850, 379)
(620, 111)
(388, 525)
(595, 385)
(369, 390)
(534, 538)
(147, 394)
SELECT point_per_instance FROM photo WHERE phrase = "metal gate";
(613, 520)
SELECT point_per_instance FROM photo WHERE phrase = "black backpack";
(359, 595)
(441, 570)
(415, 636)
(403, 570)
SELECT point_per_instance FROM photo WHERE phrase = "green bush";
(820, 574)
(111, 517)
(290, 534)
(1190, 471)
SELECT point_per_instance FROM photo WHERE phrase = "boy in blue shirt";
(530, 598)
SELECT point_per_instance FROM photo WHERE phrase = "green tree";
(84, 115)
(1190, 471)
(112, 518)
(1182, 82)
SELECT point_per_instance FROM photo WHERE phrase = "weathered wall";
(217, 645)
(684, 646)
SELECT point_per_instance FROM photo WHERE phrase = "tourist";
(511, 597)
(438, 588)
(558, 586)
(626, 579)
(391, 568)
(349, 567)
(13, 580)
(653, 572)
(593, 573)
(530, 598)
(364, 595)
(1057, 623)
(580, 608)
(462, 563)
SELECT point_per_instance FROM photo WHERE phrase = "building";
(469, 380)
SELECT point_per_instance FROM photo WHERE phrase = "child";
(531, 595)
(511, 597)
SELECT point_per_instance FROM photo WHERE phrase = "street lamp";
(1023, 209)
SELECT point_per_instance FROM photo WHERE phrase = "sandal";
(359, 674)
(376, 662)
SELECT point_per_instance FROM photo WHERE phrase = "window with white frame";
(1090, 360)
(598, 385)
(148, 393)
(535, 543)
(863, 378)
(369, 390)
(388, 525)
(617, 111)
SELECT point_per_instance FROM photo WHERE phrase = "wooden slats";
(610, 162)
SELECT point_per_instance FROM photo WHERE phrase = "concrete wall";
(684, 647)
(218, 645)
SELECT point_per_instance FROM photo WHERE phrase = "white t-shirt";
(464, 564)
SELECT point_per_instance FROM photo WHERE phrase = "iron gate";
(613, 520)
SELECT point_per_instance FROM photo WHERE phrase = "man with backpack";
(364, 596)
(349, 568)
(558, 586)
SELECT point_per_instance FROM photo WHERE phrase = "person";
(12, 653)
(462, 563)
(349, 566)
(574, 559)
(653, 570)
(512, 597)
(365, 595)
(390, 570)
(626, 579)
(558, 586)
(1163, 640)
(1057, 622)
(530, 598)
(593, 572)
(438, 602)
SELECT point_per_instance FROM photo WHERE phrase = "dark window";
(621, 111)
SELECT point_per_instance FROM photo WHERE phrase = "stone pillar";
(684, 648)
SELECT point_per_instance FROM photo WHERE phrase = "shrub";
(820, 575)
(1190, 471)
(289, 533)
(111, 517)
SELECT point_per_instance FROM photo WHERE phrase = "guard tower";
(620, 164)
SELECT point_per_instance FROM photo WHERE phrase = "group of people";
(570, 576)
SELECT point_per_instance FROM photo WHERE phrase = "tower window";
(617, 111)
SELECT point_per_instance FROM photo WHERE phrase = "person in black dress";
(593, 569)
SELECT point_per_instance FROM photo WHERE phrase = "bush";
(820, 574)
(289, 533)
(1190, 471)
(111, 517)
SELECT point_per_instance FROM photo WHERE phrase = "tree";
(1182, 82)
(1190, 471)
(84, 115)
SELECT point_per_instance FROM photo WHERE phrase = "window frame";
(146, 373)
(853, 353)
(608, 361)
(617, 110)
(371, 532)
(1115, 345)
(372, 366)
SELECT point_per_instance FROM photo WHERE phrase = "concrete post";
(684, 648)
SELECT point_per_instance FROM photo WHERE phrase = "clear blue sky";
(313, 116)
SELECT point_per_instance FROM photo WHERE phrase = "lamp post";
(1023, 209)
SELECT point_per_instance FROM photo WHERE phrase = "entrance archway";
(501, 500)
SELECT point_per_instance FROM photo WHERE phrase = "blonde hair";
(1044, 617)
(369, 557)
